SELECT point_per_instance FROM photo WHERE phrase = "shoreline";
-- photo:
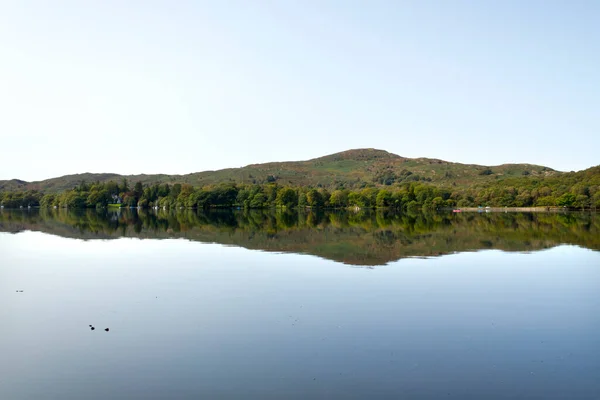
(542, 209)
(515, 209)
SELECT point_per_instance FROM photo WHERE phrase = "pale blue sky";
(179, 87)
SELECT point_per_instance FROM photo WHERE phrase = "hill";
(350, 169)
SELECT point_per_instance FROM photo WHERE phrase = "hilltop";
(350, 169)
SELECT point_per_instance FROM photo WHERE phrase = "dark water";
(509, 309)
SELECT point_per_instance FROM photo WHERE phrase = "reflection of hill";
(361, 239)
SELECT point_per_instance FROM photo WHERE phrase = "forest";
(577, 190)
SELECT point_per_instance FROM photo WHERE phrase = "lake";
(288, 305)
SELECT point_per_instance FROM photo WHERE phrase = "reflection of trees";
(315, 218)
(354, 237)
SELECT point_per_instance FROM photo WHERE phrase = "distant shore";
(512, 209)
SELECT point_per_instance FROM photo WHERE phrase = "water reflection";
(360, 238)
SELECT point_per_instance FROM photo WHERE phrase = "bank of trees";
(30, 198)
(572, 190)
(575, 190)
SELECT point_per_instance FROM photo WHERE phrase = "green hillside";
(349, 169)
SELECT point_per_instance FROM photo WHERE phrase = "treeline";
(580, 190)
(573, 190)
(411, 196)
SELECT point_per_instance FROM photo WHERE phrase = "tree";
(339, 198)
(184, 194)
(258, 200)
(74, 199)
(164, 190)
(138, 191)
(547, 201)
(112, 188)
(438, 202)
(287, 197)
(356, 199)
(369, 196)
(242, 197)
(124, 188)
(224, 195)
(302, 202)
(582, 201)
(314, 198)
(98, 198)
(566, 200)
(271, 193)
(524, 199)
(48, 200)
(175, 190)
(596, 200)
(384, 198)
(412, 206)
(326, 196)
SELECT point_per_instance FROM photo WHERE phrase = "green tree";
(438, 202)
(48, 200)
(287, 197)
(315, 199)
(302, 202)
(384, 198)
(124, 188)
(258, 200)
(184, 194)
(138, 191)
(98, 198)
(338, 199)
(582, 201)
(164, 190)
(566, 200)
(369, 197)
(175, 190)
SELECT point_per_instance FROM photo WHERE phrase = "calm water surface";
(195, 311)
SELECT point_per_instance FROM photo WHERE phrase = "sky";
(178, 87)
